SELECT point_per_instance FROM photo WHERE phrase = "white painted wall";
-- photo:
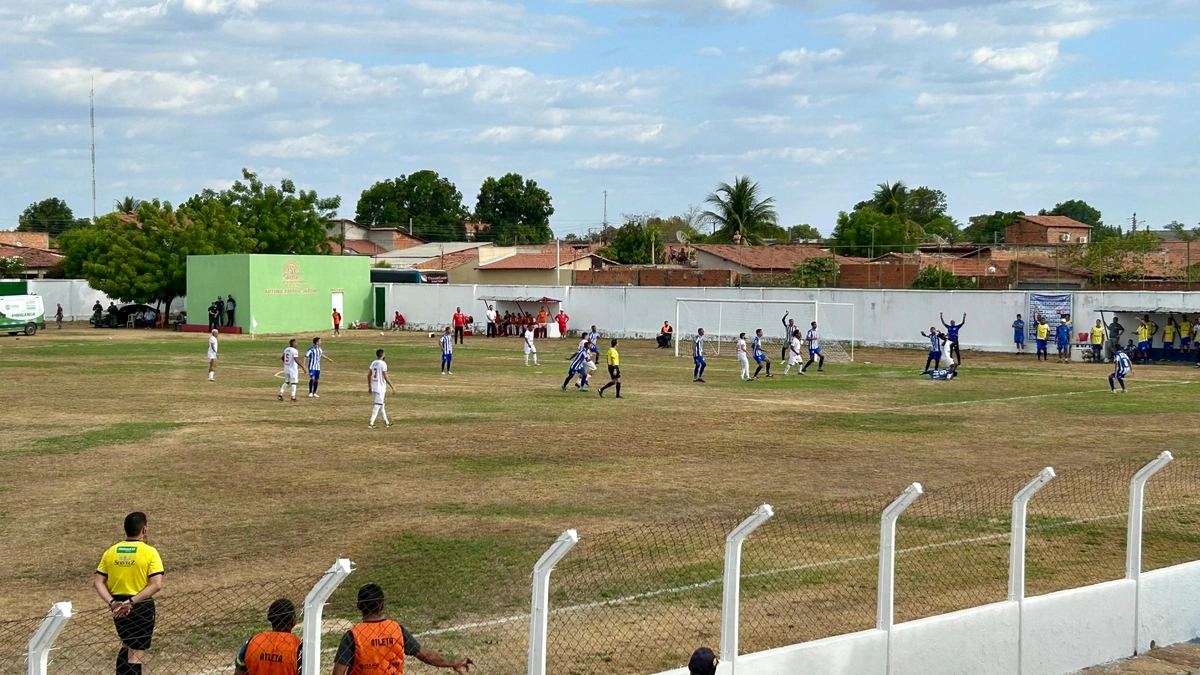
(1071, 630)
(883, 317)
(77, 297)
(862, 653)
(1170, 605)
(979, 641)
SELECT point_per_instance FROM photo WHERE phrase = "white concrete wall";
(883, 317)
(1071, 630)
(77, 297)
(979, 641)
(862, 653)
(1170, 605)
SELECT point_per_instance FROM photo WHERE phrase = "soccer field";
(481, 470)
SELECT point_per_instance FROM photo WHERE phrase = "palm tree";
(741, 214)
(891, 199)
(127, 205)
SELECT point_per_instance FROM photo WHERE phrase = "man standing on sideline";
(561, 318)
(1062, 340)
(58, 317)
(377, 380)
(543, 314)
(212, 355)
(1098, 341)
(275, 651)
(1185, 338)
(337, 322)
(314, 356)
(952, 336)
(614, 370)
(129, 574)
(214, 316)
(1115, 330)
(1043, 334)
(379, 645)
(460, 324)
(230, 306)
(1019, 334)
(220, 311)
(491, 321)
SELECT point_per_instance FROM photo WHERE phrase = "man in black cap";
(704, 662)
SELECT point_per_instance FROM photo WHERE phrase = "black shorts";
(614, 372)
(136, 629)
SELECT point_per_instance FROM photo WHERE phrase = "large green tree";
(989, 229)
(803, 232)
(634, 242)
(146, 261)
(741, 208)
(52, 216)
(516, 211)
(430, 202)
(1116, 259)
(278, 219)
(867, 232)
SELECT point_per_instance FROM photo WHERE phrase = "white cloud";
(708, 51)
(1028, 59)
(615, 160)
(220, 6)
(309, 147)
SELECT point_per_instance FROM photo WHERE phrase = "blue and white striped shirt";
(758, 347)
(698, 349)
(593, 337)
(814, 339)
(314, 357)
(935, 342)
(447, 344)
(1123, 364)
(580, 358)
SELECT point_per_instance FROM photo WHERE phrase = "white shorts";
(742, 359)
(590, 366)
(530, 350)
(291, 377)
(378, 397)
(794, 359)
(212, 356)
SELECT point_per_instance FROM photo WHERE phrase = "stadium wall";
(884, 317)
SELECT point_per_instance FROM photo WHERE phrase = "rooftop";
(779, 257)
(35, 258)
(1056, 221)
(541, 261)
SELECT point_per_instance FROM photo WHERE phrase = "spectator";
(127, 578)
(220, 311)
(275, 651)
(213, 316)
(1097, 341)
(460, 325)
(230, 306)
(664, 335)
(541, 319)
(337, 322)
(491, 321)
(1115, 329)
(379, 645)
(58, 317)
(561, 318)
(397, 321)
(703, 662)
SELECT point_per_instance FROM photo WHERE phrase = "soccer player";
(529, 348)
(593, 337)
(275, 651)
(1185, 338)
(760, 356)
(813, 338)
(1062, 340)
(793, 354)
(291, 369)
(1169, 331)
(377, 379)
(952, 335)
(946, 369)
(935, 348)
(614, 370)
(1145, 333)
(742, 357)
(130, 573)
(447, 351)
(212, 355)
(313, 361)
(1019, 334)
(337, 323)
(1121, 368)
(578, 366)
(1043, 335)
(789, 330)
(379, 645)
(698, 357)
(1098, 341)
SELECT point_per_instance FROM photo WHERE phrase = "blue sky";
(1002, 105)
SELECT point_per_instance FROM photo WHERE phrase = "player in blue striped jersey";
(313, 359)
(698, 357)
(760, 356)
(1122, 367)
(447, 351)
(579, 366)
(813, 338)
(935, 348)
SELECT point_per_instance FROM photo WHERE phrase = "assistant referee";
(130, 573)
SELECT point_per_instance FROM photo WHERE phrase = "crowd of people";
(515, 324)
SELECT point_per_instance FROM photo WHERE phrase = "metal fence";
(641, 599)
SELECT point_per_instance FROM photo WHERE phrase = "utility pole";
(604, 224)
(1134, 220)
(92, 116)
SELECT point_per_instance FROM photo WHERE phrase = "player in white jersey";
(447, 351)
(813, 338)
(793, 354)
(212, 355)
(377, 384)
(291, 369)
(529, 348)
(742, 357)
(698, 356)
(314, 357)
(1122, 367)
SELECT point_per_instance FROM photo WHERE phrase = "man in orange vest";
(379, 646)
(275, 651)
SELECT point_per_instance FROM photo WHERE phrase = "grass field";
(481, 470)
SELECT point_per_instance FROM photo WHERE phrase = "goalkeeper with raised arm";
(789, 331)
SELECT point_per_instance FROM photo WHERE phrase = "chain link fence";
(640, 599)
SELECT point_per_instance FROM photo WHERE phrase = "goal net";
(723, 320)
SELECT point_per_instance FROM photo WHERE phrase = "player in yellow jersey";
(1098, 341)
(614, 370)
(1185, 338)
(1042, 335)
(1169, 332)
(127, 578)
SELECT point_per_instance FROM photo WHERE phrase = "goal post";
(724, 319)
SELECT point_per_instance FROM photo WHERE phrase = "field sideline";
(482, 469)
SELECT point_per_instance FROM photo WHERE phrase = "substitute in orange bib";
(379, 646)
(129, 574)
(275, 651)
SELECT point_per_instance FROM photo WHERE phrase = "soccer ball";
(381, 332)
(431, 336)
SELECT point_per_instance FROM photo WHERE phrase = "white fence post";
(1133, 535)
(314, 608)
(39, 646)
(1016, 549)
(539, 613)
(886, 601)
(732, 585)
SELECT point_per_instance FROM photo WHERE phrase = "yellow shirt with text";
(614, 359)
(128, 566)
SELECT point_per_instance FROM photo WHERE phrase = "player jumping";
(1121, 369)
(760, 357)
(814, 349)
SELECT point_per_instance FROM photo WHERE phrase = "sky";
(1002, 105)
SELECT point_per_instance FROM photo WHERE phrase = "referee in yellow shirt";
(128, 576)
(614, 370)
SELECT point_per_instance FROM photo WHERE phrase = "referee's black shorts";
(614, 372)
(136, 629)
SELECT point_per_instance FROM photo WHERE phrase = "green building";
(281, 293)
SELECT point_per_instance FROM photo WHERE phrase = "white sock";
(210, 374)
(375, 413)
(383, 411)
(535, 359)
(293, 391)
(526, 359)
(282, 388)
